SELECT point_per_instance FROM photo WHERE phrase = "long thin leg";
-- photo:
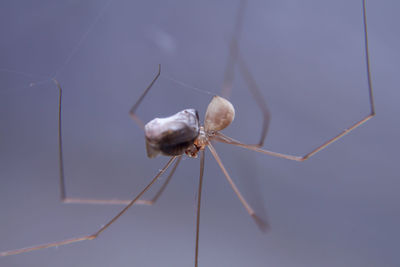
(63, 193)
(262, 225)
(258, 97)
(136, 105)
(196, 257)
(98, 232)
(225, 139)
(161, 190)
(235, 56)
(151, 201)
(228, 140)
(230, 65)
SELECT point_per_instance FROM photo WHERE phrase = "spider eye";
(220, 113)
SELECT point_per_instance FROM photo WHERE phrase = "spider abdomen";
(171, 136)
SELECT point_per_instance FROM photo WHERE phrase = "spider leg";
(225, 139)
(229, 69)
(196, 257)
(260, 223)
(162, 188)
(150, 202)
(228, 140)
(98, 232)
(63, 192)
(258, 97)
(236, 57)
(136, 105)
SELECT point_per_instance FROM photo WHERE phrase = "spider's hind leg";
(261, 223)
(234, 58)
(100, 230)
(225, 139)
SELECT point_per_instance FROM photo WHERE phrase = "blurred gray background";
(340, 208)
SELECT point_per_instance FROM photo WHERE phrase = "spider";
(183, 134)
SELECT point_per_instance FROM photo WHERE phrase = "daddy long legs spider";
(182, 134)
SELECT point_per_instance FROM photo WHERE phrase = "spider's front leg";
(139, 101)
(78, 200)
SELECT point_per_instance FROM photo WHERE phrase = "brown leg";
(161, 190)
(230, 66)
(225, 139)
(196, 257)
(261, 224)
(258, 97)
(151, 201)
(235, 57)
(136, 105)
(63, 193)
(98, 232)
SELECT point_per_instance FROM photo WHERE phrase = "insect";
(182, 134)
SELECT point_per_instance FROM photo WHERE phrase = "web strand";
(80, 42)
(188, 86)
(42, 79)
